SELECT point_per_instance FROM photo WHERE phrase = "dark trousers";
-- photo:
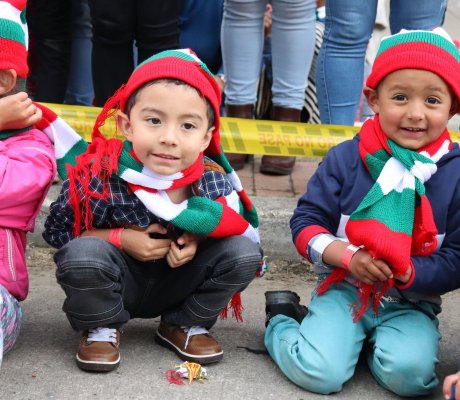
(152, 24)
(49, 23)
(105, 287)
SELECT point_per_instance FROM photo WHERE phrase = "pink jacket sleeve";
(27, 169)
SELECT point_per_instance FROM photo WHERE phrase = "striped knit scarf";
(394, 220)
(7, 133)
(228, 215)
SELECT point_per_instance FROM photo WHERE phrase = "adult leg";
(242, 39)
(321, 353)
(113, 35)
(200, 24)
(340, 68)
(293, 41)
(157, 26)
(396, 359)
(49, 26)
(423, 14)
(80, 84)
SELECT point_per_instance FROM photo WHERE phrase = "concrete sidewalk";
(42, 365)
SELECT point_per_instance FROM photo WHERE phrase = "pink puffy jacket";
(27, 169)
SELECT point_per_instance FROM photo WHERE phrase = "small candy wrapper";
(187, 370)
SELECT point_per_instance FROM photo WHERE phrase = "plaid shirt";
(121, 208)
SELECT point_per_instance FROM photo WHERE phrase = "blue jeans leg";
(242, 39)
(340, 67)
(422, 14)
(293, 43)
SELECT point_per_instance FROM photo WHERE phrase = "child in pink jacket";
(27, 168)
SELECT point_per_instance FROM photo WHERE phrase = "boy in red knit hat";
(380, 221)
(157, 224)
(27, 168)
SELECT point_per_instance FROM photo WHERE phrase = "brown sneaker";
(98, 350)
(193, 343)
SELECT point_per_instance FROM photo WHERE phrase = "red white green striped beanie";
(432, 51)
(14, 38)
(182, 65)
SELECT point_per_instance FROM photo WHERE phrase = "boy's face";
(168, 127)
(414, 106)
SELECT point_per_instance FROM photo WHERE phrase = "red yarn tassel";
(236, 306)
(366, 294)
(335, 276)
(110, 108)
(360, 306)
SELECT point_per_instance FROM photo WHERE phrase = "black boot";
(237, 161)
(284, 302)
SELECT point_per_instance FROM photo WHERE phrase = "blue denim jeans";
(349, 25)
(321, 353)
(199, 25)
(293, 41)
(105, 287)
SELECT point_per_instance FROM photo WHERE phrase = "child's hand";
(369, 270)
(17, 111)
(450, 380)
(139, 244)
(404, 278)
(183, 251)
(268, 20)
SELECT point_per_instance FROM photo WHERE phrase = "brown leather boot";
(280, 165)
(237, 161)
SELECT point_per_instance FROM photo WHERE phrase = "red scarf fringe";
(236, 306)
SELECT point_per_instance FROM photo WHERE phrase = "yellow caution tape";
(240, 135)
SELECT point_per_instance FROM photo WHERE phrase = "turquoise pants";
(321, 353)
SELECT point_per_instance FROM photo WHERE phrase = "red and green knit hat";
(432, 51)
(14, 36)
